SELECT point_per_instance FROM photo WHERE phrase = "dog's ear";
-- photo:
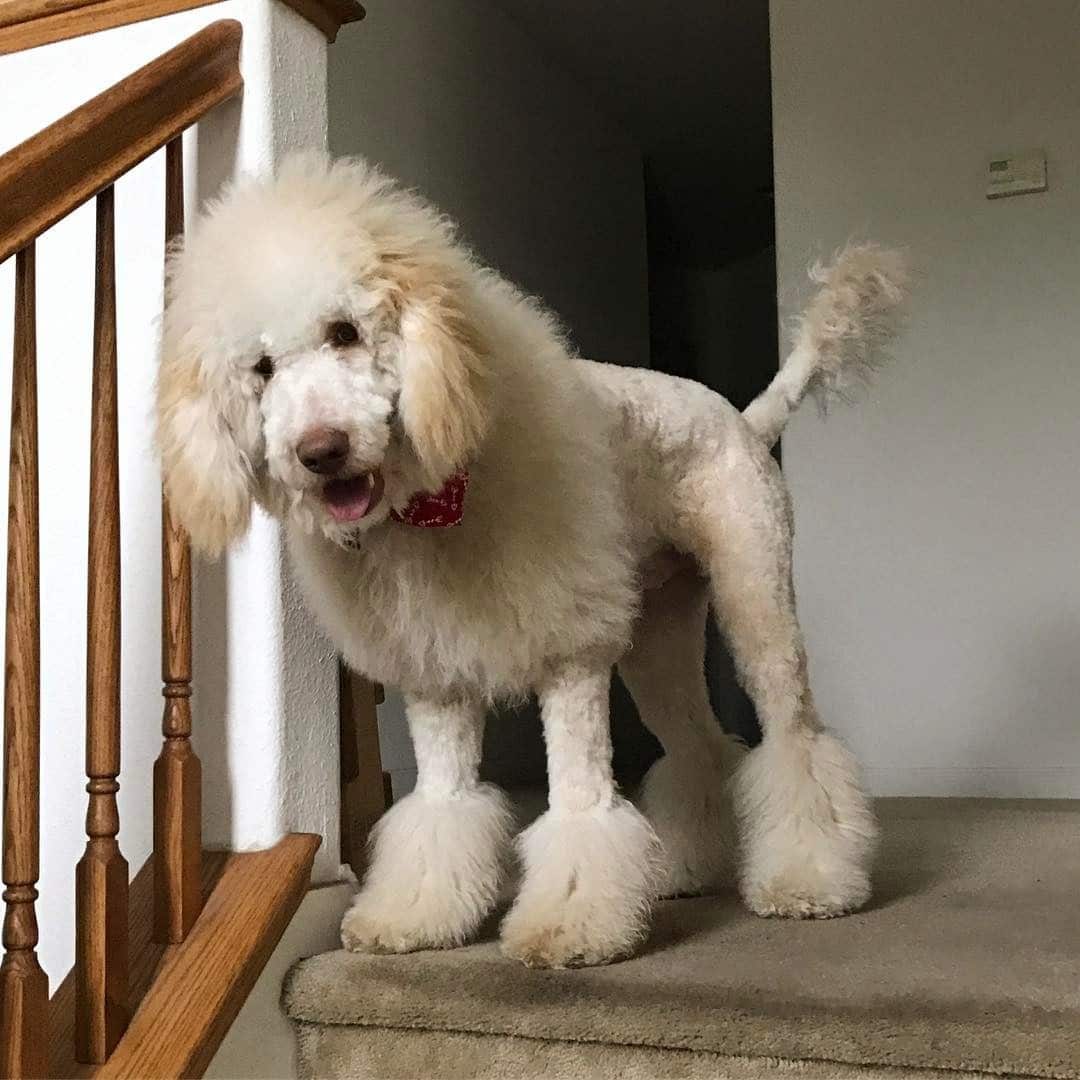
(207, 476)
(445, 377)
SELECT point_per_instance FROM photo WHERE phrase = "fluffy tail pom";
(842, 337)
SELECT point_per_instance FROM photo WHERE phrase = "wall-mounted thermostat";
(1018, 174)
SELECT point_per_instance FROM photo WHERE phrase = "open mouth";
(353, 498)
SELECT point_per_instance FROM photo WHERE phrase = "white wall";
(457, 100)
(266, 707)
(938, 522)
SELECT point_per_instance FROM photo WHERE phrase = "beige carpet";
(968, 959)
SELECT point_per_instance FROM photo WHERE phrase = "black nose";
(323, 450)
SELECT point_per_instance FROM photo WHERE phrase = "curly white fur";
(584, 480)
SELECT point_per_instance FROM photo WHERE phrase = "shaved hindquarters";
(807, 829)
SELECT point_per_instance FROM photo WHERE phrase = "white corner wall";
(266, 724)
(938, 522)
(458, 101)
(265, 705)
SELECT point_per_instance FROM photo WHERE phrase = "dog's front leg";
(438, 855)
(591, 861)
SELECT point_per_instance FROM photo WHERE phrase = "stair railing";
(76, 159)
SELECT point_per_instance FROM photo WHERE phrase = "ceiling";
(690, 81)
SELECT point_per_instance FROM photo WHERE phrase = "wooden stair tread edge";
(204, 981)
(144, 958)
(189, 994)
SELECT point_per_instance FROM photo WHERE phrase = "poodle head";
(321, 353)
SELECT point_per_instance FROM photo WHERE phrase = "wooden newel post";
(24, 988)
(101, 877)
(177, 771)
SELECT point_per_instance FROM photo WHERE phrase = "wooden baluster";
(101, 877)
(363, 787)
(177, 771)
(24, 988)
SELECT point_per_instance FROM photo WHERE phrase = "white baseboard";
(988, 781)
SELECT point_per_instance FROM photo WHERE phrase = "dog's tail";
(842, 336)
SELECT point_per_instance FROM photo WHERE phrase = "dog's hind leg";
(592, 860)
(439, 855)
(686, 795)
(807, 829)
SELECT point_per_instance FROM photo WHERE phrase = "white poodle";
(476, 513)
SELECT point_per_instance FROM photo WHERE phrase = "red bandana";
(437, 509)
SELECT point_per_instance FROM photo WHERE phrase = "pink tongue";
(348, 500)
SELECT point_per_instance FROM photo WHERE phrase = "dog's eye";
(265, 366)
(342, 333)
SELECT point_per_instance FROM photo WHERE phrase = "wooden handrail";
(26, 24)
(14, 12)
(43, 179)
(328, 15)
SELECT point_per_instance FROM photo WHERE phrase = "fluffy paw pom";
(808, 832)
(436, 870)
(590, 879)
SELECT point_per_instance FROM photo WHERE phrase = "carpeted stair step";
(967, 960)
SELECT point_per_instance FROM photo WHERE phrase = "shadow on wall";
(211, 152)
(210, 693)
